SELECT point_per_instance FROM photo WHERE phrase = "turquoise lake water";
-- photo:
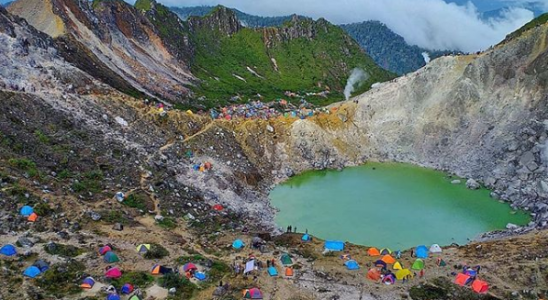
(389, 205)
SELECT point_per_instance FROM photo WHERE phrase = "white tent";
(249, 266)
(435, 248)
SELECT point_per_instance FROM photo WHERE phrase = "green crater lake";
(389, 205)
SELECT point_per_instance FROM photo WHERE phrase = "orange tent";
(155, 270)
(288, 272)
(373, 252)
(374, 274)
(480, 287)
(388, 259)
(33, 217)
(461, 279)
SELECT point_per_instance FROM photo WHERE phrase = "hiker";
(412, 252)
(268, 263)
(477, 268)
(295, 229)
(421, 273)
(290, 228)
(221, 283)
(306, 231)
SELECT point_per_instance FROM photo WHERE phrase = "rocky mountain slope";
(69, 142)
(148, 51)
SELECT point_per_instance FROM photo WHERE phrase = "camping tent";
(352, 265)
(397, 266)
(373, 274)
(113, 273)
(401, 274)
(418, 264)
(385, 251)
(33, 217)
(389, 279)
(286, 259)
(158, 269)
(143, 248)
(41, 265)
(87, 283)
(8, 250)
(200, 276)
(388, 259)
(435, 248)
(373, 252)
(126, 289)
(334, 246)
(440, 262)
(305, 238)
(253, 293)
(217, 207)
(238, 244)
(111, 257)
(421, 251)
(249, 266)
(462, 279)
(272, 271)
(32, 272)
(113, 297)
(189, 266)
(26, 211)
(381, 264)
(289, 272)
(480, 286)
(135, 297)
(103, 250)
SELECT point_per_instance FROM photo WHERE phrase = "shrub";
(62, 279)
(139, 279)
(184, 288)
(156, 251)
(63, 250)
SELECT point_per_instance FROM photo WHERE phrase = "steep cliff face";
(118, 37)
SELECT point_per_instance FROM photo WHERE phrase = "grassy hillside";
(542, 19)
(303, 64)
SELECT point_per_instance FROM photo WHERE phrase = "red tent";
(374, 274)
(461, 279)
(189, 266)
(480, 287)
(218, 207)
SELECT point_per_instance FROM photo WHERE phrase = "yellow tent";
(143, 248)
(401, 274)
(189, 112)
(397, 266)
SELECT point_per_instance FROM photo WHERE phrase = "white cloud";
(432, 24)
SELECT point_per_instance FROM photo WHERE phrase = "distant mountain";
(388, 49)
(246, 19)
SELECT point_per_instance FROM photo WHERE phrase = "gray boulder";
(472, 184)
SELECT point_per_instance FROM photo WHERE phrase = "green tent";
(134, 297)
(111, 257)
(418, 264)
(286, 260)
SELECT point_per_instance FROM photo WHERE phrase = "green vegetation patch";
(139, 279)
(62, 280)
(184, 288)
(63, 250)
(26, 165)
(137, 201)
(540, 20)
(156, 251)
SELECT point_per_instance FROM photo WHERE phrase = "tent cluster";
(468, 277)
(28, 212)
(37, 268)
(202, 167)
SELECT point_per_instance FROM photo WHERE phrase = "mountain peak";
(220, 18)
(145, 5)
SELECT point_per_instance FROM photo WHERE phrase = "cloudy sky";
(433, 24)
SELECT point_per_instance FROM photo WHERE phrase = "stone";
(25, 242)
(159, 218)
(118, 227)
(456, 181)
(472, 184)
(121, 121)
(511, 226)
(95, 216)
(490, 181)
(527, 158)
(270, 128)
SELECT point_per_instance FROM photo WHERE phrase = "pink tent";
(113, 273)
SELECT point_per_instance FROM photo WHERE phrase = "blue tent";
(272, 271)
(200, 276)
(41, 265)
(26, 211)
(334, 245)
(305, 238)
(352, 265)
(238, 244)
(32, 272)
(113, 297)
(8, 250)
(380, 263)
(421, 251)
